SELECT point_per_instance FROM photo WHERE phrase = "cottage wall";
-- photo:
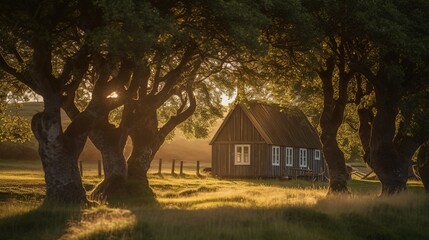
(239, 129)
(224, 166)
(317, 166)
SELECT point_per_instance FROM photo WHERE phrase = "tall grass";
(208, 208)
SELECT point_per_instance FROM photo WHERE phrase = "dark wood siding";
(317, 166)
(220, 159)
(239, 129)
(223, 164)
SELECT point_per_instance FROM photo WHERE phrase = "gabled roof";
(278, 125)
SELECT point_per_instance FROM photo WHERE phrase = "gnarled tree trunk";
(59, 152)
(142, 123)
(335, 159)
(390, 167)
(110, 141)
(330, 121)
(141, 120)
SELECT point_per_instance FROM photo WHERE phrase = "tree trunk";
(110, 141)
(59, 153)
(335, 159)
(330, 121)
(143, 129)
(423, 164)
(390, 167)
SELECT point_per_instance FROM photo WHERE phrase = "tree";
(164, 77)
(328, 55)
(397, 70)
(42, 49)
(209, 36)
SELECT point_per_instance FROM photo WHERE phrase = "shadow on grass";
(125, 214)
(44, 222)
(270, 224)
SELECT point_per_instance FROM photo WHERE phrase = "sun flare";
(113, 95)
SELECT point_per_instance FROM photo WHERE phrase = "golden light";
(113, 95)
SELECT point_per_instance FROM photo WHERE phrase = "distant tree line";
(140, 69)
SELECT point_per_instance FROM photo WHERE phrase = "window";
(242, 154)
(302, 157)
(275, 155)
(317, 154)
(289, 156)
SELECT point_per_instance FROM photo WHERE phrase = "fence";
(99, 173)
(181, 172)
(196, 167)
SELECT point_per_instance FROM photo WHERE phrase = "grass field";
(208, 208)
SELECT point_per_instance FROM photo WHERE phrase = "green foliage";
(414, 114)
(396, 26)
(128, 29)
(399, 34)
(13, 128)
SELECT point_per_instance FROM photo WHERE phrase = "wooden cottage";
(260, 140)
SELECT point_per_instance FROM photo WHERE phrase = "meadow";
(204, 207)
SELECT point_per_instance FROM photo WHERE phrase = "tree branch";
(23, 78)
(364, 70)
(156, 79)
(78, 61)
(172, 77)
(181, 116)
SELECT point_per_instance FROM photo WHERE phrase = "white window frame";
(275, 155)
(289, 157)
(303, 158)
(317, 154)
(242, 160)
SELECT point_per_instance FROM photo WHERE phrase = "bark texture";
(143, 132)
(147, 137)
(110, 141)
(330, 121)
(391, 168)
(59, 153)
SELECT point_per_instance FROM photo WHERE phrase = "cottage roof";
(284, 126)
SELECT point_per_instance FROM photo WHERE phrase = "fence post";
(99, 168)
(172, 166)
(181, 168)
(198, 169)
(160, 167)
(81, 168)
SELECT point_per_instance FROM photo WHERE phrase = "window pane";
(238, 154)
(246, 154)
(289, 156)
